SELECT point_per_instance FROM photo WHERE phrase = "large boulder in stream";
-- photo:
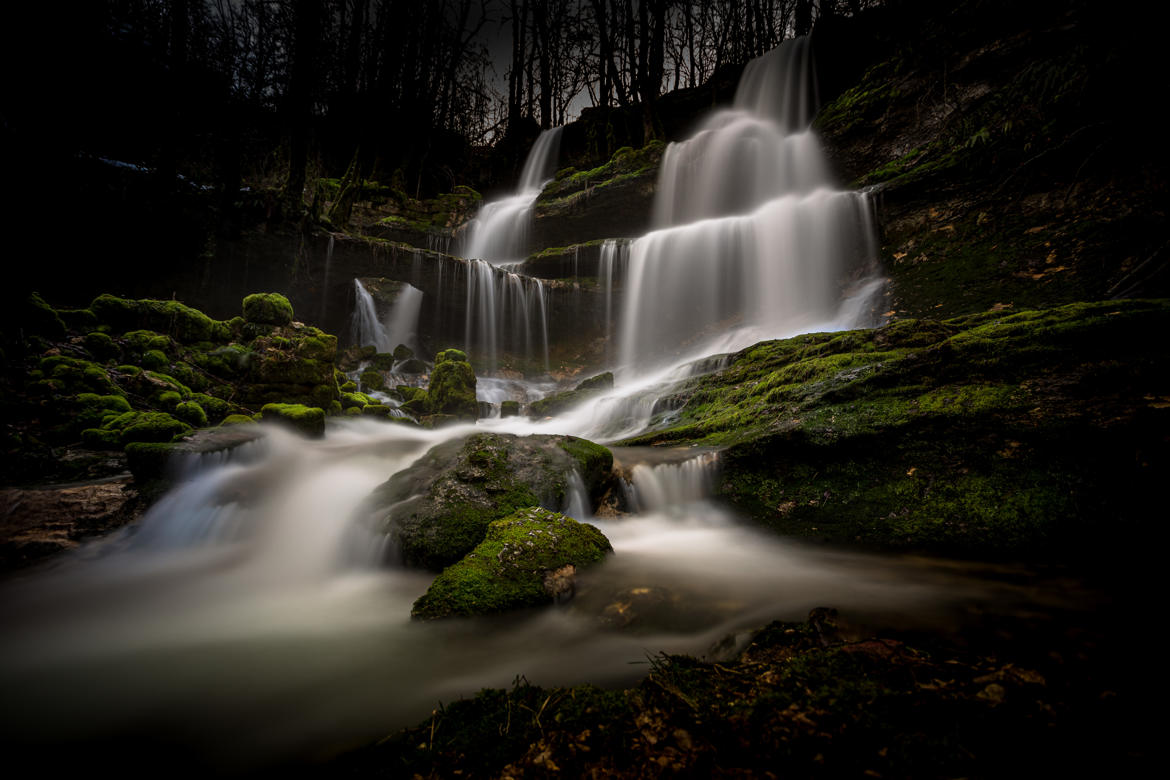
(528, 559)
(452, 386)
(439, 509)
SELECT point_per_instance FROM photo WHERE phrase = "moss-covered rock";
(527, 559)
(509, 408)
(173, 318)
(452, 386)
(237, 419)
(556, 403)
(372, 380)
(989, 434)
(308, 420)
(267, 309)
(191, 413)
(439, 509)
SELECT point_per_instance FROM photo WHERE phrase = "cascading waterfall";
(506, 311)
(499, 233)
(753, 242)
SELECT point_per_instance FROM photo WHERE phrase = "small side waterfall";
(499, 233)
(364, 326)
(667, 486)
(753, 242)
(402, 320)
(398, 326)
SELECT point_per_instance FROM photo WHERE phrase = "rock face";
(997, 433)
(440, 508)
(555, 404)
(37, 523)
(526, 560)
(614, 200)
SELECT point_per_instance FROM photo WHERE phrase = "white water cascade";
(752, 241)
(499, 233)
(398, 326)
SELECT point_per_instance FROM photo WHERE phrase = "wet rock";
(439, 509)
(527, 559)
(555, 404)
(38, 522)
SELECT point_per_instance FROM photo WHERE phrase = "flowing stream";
(245, 620)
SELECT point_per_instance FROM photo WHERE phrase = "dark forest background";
(416, 93)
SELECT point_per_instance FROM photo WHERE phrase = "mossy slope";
(995, 433)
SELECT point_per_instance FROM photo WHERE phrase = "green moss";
(101, 346)
(191, 413)
(452, 386)
(156, 360)
(509, 408)
(595, 461)
(451, 354)
(348, 387)
(267, 309)
(557, 403)
(41, 319)
(507, 569)
(306, 419)
(236, 419)
(383, 361)
(145, 426)
(372, 380)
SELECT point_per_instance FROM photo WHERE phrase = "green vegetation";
(309, 420)
(515, 566)
(971, 436)
(267, 309)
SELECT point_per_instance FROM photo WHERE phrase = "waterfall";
(399, 326)
(364, 326)
(402, 319)
(505, 311)
(667, 486)
(752, 241)
(499, 233)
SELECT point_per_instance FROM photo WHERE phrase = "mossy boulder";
(181, 322)
(309, 420)
(438, 510)
(372, 380)
(191, 413)
(267, 309)
(509, 408)
(556, 403)
(527, 559)
(990, 434)
(452, 386)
